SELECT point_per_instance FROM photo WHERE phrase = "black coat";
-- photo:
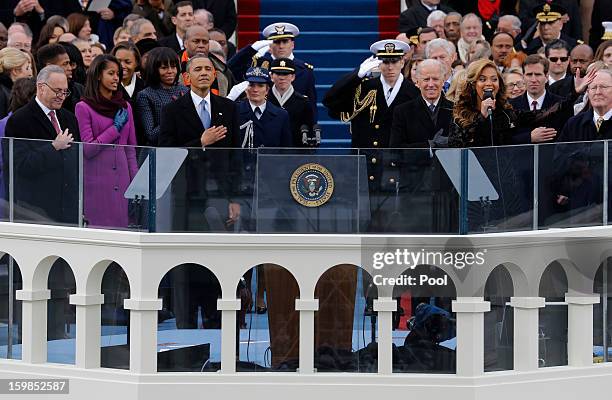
(141, 137)
(172, 42)
(46, 180)
(163, 27)
(300, 113)
(32, 19)
(413, 124)
(416, 17)
(205, 175)
(223, 11)
(76, 92)
(563, 88)
(6, 84)
(582, 128)
(521, 104)
(535, 44)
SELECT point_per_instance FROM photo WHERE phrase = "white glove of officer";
(260, 44)
(368, 65)
(237, 90)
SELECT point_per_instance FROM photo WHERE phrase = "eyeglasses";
(519, 84)
(557, 59)
(602, 88)
(58, 92)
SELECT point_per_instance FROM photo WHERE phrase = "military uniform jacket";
(304, 76)
(362, 101)
(536, 44)
(300, 114)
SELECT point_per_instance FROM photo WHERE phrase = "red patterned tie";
(54, 122)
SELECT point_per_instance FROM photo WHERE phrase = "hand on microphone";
(487, 106)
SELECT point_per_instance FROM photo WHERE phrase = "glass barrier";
(61, 315)
(571, 177)
(115, 319)
(410, 191)
(10, 308)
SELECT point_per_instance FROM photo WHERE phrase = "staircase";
(335, 37)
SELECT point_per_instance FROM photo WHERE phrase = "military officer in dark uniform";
(549, 25)
(284, 95)
(368, 103)
(280, 41)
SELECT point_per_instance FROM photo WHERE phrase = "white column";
(34, 324)
(470, 334)
(526, 332)
(88, 331)
(228, 310)
(580, 329)
(143, 334)
(385, 307)
(307, 309)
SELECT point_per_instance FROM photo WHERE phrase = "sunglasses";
(557, 59)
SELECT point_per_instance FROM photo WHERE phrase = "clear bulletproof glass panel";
(602, 313)
(571, 184)
(10, 309)
(61, 315)
(115, 319)
(115, 190)
(189, 324)
(500, 189)
(413, 190)
(552, 332)
(499, 322)
(38, 168)
(267, 322)
(424, 331)
(345, 323)
(303, 192)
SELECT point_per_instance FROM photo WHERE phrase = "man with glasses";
(55, 54)
(557, 53)
(48, 165)
(580, 58)
(596, 123)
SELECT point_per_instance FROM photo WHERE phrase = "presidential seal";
(312, 185)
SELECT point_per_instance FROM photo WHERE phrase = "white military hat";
(389, 48)
(281, 30)
(607, 30)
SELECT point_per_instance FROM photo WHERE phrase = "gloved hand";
(368, 65)
(121, 118)
(260, 44)
(237, 90)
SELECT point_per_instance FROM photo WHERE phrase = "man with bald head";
(197, 41)
(580, 58)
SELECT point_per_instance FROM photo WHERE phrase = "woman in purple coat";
(107, 131)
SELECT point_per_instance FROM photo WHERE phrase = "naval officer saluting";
(279, 43)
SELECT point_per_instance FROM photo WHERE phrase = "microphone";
(304, 131)
(317, 132)
(488, 94)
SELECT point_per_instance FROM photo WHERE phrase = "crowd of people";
(164, 74)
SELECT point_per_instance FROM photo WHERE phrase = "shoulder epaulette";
(310, 66)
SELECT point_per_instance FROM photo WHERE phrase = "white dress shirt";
(262, 107)
(197, 102)
(181, 44)
(46, 111)
(606, 116)
(539, 100)
(394, 90)
(552, 80)
(131, 87)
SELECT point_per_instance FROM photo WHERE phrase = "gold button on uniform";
(375, 143)
(391, 180)
(373, 160)
(371, 177)
(376, 126)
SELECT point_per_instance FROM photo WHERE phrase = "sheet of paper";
(97, 5)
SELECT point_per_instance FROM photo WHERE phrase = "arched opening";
(189, 324)
(424, 337)
(602, 313)
(499, 322)
(346, 324)
(268, 337)
(553, 317)
(115, 319)
(10, 308)
(61, 315)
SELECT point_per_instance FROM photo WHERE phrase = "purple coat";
(107, 169)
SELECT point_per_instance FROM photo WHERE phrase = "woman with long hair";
(161, 73)
(604, 53)
(49, 34)
(482, 115)
(107, 124)
(14, 64)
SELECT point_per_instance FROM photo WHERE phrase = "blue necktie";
(204, 114)
(445, 87)
(258, 112)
